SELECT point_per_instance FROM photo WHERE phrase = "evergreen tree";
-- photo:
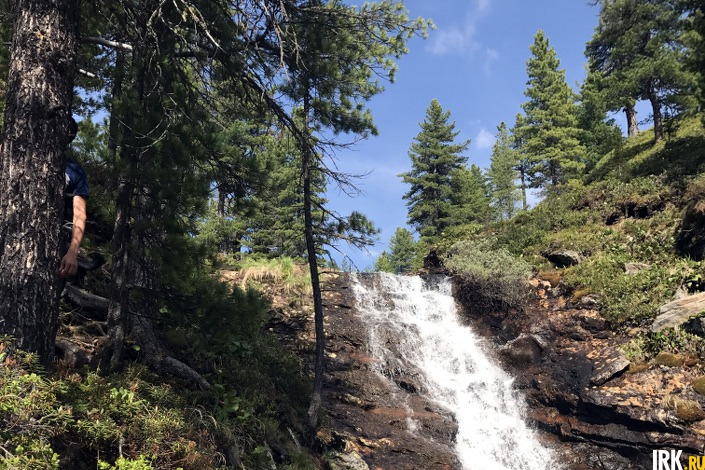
(435, 156)
(638, 47)
(522, 160)
(470, 200)
(32, 161)
(383, 263)
(502, 175)
(550, 132)
(402, 251)
(338, 54)
(598, 134)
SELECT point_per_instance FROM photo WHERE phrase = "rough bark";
(314, 410)
(632, 124)
(32, 160)
(656, 112)
(524, 203)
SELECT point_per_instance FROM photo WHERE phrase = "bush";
(491, 279)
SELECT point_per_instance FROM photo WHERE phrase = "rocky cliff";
(606, 411)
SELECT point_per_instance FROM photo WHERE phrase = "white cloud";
(485, 139)
(455, 39)
(491, 55)
(483, 5)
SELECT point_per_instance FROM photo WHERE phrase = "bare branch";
(107, 43)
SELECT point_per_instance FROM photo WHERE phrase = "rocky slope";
(608, 412)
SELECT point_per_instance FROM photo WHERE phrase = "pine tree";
(638, 47)
(32, 160)
(402, 251)
(470, 200)
(435, 156)
(502, 175)
(383, 263)
(522, 160)
(598, 134)
(550, 131)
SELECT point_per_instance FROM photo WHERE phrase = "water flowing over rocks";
(409, 387)
(607, 412)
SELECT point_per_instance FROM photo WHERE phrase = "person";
(75, 197)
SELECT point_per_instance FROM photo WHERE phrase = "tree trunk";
(656, 111)
(314, 410)
(632, 125)
(32, 161)
(524, 203)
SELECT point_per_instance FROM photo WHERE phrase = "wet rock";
(526, 349)
(347, 461)
(695, 326)
(608, 364)
(633, 268)
(592, 321)
(679, 311)
(589, 300)
(563, 258)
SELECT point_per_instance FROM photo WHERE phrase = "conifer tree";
(402, 251)
(598, 134)
(550, 132)
(502, 175)
(383, 263)
(435, 156)
(470, 200)
(638, 47)
(522, 160)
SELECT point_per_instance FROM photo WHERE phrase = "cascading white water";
(421, 318)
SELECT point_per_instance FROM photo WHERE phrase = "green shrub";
(491, 279)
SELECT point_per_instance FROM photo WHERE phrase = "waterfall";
(413, 325)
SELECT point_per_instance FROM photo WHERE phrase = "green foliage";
(599, 135)
(403, 256)
(639, 48)
(649, 345)
(550, 131)
(383, 263)
(680, 156)
(502, 175)
(434, 158)
(470, 200)
(492, 279)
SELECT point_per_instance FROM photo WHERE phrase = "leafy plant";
(491, 278)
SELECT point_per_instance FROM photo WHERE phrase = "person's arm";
(69, 263)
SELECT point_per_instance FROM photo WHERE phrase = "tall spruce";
(470, 201)
(522, 160)
(402, 251)
(550, 131)
(502, 175)
(435, 156)
(638, 47)
(599, 134)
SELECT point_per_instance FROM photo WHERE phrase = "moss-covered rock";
(699, 385)
(669, 359)
(688, 411)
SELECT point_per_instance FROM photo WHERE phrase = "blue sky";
(474, 64)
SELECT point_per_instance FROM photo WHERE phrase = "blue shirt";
(76, 180)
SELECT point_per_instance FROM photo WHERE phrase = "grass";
(626, 210)
(293, 278)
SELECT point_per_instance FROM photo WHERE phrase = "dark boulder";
(563, 258)
(690, 235)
